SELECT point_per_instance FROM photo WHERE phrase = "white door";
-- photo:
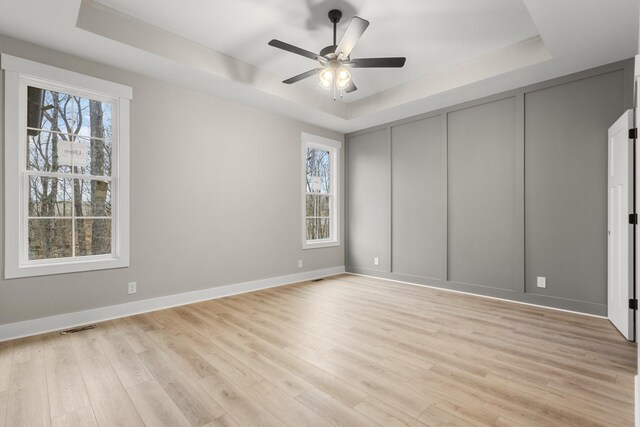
(620, 247)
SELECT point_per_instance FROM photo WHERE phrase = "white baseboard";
(78, 318)
(440, 288)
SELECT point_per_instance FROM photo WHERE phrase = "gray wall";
(566, 182)
(215, 199)
(481, 194)
(419, 225)
(517, 182)
(368, 161)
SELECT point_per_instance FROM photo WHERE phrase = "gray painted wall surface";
(419, 227)
(566, 181)
(534, 160)
(368, 198)
(482, 195)
(215, 199)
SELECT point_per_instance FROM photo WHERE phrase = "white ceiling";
(456, 50)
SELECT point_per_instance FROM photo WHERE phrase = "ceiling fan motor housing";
(329, 52)
(335, 15)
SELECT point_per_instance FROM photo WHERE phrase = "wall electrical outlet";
(299, 263)
(542, 282)
(376, 261)
(133, 288)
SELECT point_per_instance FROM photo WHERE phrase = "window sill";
(318, 245)
(47, 269)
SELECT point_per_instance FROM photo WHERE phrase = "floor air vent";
(78, 329)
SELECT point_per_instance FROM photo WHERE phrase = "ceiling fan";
(334, 59)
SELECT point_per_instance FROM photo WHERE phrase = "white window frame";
(333, 147)
(18, 74)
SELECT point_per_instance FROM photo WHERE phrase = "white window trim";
(334, 147)
(18, 72)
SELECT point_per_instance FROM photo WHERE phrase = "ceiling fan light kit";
(334, 74)
(336, 77)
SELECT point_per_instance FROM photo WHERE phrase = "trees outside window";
(69, 149)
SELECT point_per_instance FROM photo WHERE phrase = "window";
(67, 177)
(320, 191)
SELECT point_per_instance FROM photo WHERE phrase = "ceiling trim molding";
(519, 55)
(101, 20)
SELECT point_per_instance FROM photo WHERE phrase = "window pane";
(317, 205)
(318, 228)
(76, 153)
(312, 229)
(318, 170)
(45, 152)
(98, 160)
(49, 110)
(93, 237)
(310, 205)
(49, 238)
(35, 102)
(95, 118)
(49, 196)
(323, 228)
(92, 197)
(323, 206)
(90, 156)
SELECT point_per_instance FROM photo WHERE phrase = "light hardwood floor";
(348, 351)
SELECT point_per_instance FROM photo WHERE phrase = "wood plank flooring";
(345, 351)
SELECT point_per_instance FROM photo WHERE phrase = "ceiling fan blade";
(302, 76)
(351, 88)
(351, 36)
(377, 62)
(293, 49)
